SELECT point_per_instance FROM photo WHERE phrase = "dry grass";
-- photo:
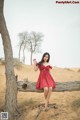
(76, 104)
(30, 102)
(78, 70)
(68, 103)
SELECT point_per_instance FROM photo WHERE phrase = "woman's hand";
(35, 65)
(34, 61)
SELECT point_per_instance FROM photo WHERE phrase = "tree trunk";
(31, 53)
(31, 57)
(20, 52)
(28, 86)
(11, 88)
(24, 54)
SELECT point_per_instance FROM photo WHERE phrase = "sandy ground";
(63, 105)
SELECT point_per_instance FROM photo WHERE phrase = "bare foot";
(48, 103)
(46, 106)
(46, 109)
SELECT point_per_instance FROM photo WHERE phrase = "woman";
(45, 80)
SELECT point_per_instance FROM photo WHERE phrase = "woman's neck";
(45, 63)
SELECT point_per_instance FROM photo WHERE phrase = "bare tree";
(34, 43)
(11, 87)
(23, 38)
(31, 42)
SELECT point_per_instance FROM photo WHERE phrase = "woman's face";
(46, 57)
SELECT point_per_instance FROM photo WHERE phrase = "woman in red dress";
(45, 80)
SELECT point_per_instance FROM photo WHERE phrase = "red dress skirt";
(45, 79)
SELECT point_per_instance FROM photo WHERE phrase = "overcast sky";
(59, 23)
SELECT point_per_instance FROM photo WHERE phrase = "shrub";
(17, 63)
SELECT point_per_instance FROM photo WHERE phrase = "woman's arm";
(35, 65)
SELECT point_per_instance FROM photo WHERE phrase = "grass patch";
(30, 103)
(76, 104)
(68, 69)
(2, 61)
(78, 70)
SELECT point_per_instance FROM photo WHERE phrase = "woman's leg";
(45, 92)
(49, 94)
(45, 95)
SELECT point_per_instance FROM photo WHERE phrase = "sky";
(59, 23)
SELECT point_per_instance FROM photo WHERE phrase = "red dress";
(45, 79)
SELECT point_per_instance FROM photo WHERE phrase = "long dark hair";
(42, 60)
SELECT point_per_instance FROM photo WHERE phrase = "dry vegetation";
(63, 105)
